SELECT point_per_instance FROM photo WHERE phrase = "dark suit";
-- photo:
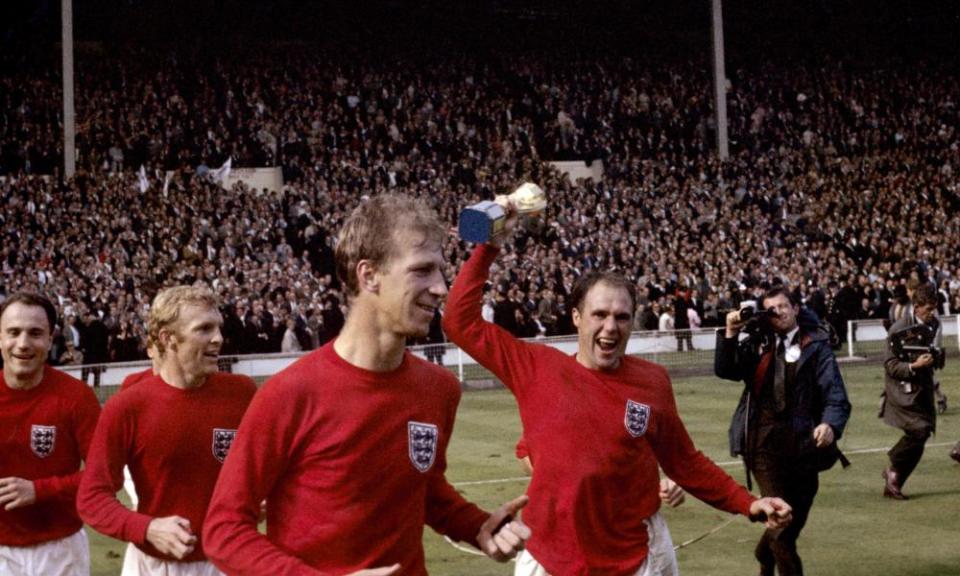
(908, 404)
(777, 442)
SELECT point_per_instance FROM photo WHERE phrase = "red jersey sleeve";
(447, 511)
(86, 412)
(488, 344)
(689, 467)
(103, 476)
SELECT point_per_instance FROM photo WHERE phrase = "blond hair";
(370, 233)
(165, 310)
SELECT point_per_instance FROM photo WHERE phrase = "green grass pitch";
(852, 531)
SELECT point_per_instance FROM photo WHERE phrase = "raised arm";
(727, 363)
(490, 345)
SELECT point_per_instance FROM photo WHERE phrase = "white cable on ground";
(713, 530)
(462, 548)
(467, 549)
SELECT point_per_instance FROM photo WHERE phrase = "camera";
(756, 320)
(749, 313)
(911, 343)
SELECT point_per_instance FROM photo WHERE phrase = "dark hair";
(587, 281)
(32, 299)
(925, 295)
(781, 290)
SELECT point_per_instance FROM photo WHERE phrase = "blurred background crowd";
(842, 180)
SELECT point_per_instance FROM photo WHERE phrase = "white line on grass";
(721, 464)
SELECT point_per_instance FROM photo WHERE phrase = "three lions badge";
(222, 440)
(422, 442)
(636, 418)
(43, 439)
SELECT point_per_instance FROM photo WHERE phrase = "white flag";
(221, 174)
(142, 181)
(166, 183)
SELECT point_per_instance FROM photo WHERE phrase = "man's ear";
(575, 315)
(167, 339)
(368, 280)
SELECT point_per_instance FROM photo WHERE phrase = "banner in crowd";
(257, 179)
(577, 169)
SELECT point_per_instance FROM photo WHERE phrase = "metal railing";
(865, 340)
(655, 346)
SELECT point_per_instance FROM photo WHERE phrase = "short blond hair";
(165, 310)
(370, 233)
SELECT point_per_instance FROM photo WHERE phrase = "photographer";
(908, 396)
(793, 409)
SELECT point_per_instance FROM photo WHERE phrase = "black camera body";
(911, 343)
(750, 314)
(756, 321)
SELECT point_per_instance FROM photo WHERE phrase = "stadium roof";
(923, 24)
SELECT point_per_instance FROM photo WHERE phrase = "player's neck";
(174, 375)
(22, 382)
(365, 344)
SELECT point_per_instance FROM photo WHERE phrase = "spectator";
(71, 356)
(290, 341)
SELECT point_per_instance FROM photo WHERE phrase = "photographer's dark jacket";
(818, 394)
(908, 397)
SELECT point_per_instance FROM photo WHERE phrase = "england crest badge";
(43, 439)
(422, 441)
(222, 440)
(636, 418)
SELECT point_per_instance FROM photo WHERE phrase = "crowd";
(841, 182)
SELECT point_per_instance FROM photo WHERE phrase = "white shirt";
(792, 350)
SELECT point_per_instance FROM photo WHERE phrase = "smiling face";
(193, 342)
(25, 341)
(410, 286)
(603, 326)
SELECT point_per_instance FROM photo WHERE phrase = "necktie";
(780, 376)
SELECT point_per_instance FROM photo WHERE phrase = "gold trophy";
(529, 198)
(482, 221)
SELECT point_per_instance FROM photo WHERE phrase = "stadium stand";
(848, 167)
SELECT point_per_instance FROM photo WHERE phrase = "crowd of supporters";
(841, 182)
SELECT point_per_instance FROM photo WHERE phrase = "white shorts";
(68, 556)
(661, 557)
(136, 563)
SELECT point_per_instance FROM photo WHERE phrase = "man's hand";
(503, 544)
(386, 571)
(734, 323)
(773, 512)
(510, 223)
(823, 434)
(171, 535)
(922, 361)
(16, 493)
(671, 493)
